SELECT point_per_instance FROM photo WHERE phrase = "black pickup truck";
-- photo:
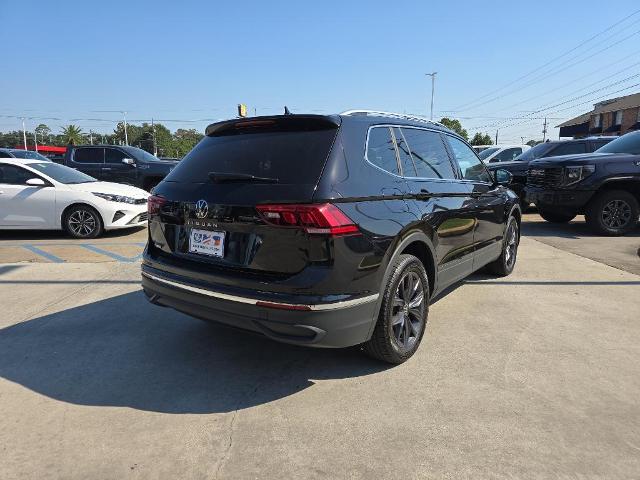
(604, 186)
(519, 166)
(119, 164)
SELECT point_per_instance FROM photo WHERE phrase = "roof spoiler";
(290, 122)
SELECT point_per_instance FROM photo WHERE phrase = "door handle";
(105, 168)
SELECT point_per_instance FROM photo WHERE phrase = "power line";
(465, 106)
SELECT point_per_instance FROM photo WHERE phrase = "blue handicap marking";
(115, 256)
(49, 256)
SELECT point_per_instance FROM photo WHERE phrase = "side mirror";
(129, 161)
(35, 182)
(502, 177)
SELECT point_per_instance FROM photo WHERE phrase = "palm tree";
(72, 134)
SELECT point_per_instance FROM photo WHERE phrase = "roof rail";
(403, 116)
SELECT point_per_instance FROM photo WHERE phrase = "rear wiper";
(239, 177)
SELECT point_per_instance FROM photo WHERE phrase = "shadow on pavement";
(574, 230)
(125, 352)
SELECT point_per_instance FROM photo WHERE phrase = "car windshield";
(534, 152)
(145, 156)
(629, 143)
(62, 174)
(486, 153)
(29, 155)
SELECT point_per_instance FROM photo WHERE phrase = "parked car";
(519, 166)
(18, 153)
(41, 195)
(502, 153)
(119, 164)
(604, 186)
(326, 230)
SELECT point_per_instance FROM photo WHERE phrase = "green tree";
(456, 126)
(72, 134)
(481, 139)
(43, 132)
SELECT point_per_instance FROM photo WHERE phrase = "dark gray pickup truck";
(119, 164)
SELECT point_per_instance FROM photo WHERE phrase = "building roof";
(612, 105)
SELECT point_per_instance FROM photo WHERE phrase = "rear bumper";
(301, 320)
(569, 201)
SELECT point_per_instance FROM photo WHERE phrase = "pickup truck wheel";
(556, 217)
(613, 213)
(403, 313)
(83, 221)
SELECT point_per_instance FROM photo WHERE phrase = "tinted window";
(406, 162)
(507, 155)
(111, 155)
(629, 143)
(537, 151)
(89, 155)
(12, 175)
(380, 149)
(29, 155)
(569, 148)
(599, 143)
(429, 154)
(4, 154)
(290, 156)
(470, 165)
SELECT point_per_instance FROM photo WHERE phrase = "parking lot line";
(42, 253)
(115, 256)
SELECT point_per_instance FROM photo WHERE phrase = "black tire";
(400, 327)
(613, 213)
(505, 263)
(82, 221)
(556, 217)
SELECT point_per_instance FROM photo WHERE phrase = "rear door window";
(429, 154)
(381, 151)
(290, 156)
(89, 155)
(508, 154)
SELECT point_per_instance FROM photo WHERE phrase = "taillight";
(323, 219)
(154, 203)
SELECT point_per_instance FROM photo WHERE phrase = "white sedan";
(47, 196)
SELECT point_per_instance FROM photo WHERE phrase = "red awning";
(44, 149)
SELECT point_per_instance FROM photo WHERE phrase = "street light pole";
(433, 88)
(126, 138)
(24, 134)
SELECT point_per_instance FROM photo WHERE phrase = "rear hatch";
(208, 212)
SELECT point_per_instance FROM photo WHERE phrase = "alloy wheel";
(616, 214)
(82, 223)
(408, 310)
(511, 248)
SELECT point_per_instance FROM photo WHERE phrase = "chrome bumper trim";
(253, 301)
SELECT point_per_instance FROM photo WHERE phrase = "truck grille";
(544, 177)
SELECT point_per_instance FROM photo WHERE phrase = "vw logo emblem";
(202, 209)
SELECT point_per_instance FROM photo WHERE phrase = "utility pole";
(544, 130)
(496, 137)
(153, 131)
(24, 134)
(522, 138)
(35, 139)
(433, 88)
(91, 136)
(126, 138)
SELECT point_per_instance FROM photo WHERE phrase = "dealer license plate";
(206, 242)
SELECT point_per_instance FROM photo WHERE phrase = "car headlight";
(115, 198)
(576, 174)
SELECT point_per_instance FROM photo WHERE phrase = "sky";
(502, 65)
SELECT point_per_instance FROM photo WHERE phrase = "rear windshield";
(291, 157)
(487, 151)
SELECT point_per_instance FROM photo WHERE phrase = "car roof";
(21, 161)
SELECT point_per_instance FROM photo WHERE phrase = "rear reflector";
(154, 203)
(321, 219)
(283, 306)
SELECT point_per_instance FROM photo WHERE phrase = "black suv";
(328, 231)
(519, 166)
(119, 164)
(604, 186)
